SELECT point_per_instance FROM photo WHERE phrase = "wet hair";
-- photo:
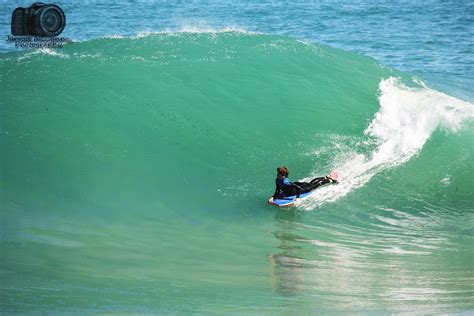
(283, 171)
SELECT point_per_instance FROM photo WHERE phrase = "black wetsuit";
(286, 188)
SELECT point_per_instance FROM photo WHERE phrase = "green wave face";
(139, 168)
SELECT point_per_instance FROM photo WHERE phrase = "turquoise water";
(135, 173)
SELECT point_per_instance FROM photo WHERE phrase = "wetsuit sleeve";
(277, 188)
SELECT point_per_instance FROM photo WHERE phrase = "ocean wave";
(407, 117)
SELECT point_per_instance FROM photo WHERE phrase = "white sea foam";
(43, 51)
(203, 26)
(115, 36)
(407, 117)
(200, 27)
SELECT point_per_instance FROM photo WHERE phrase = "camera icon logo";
(40, 19)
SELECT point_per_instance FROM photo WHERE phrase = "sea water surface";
(136, 162)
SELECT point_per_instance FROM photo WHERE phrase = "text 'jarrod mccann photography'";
(37, 41)
(38, 26)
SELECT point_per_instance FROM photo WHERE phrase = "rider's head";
(282, 172)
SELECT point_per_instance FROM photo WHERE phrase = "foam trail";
(407, 118)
